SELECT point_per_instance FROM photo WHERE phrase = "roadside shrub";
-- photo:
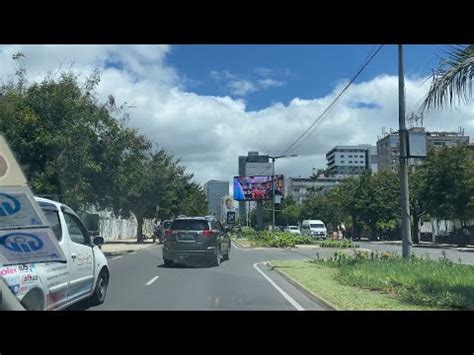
(442, 284)
(280, 239)
(248, 231)
(344, 243)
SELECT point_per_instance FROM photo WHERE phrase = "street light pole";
(403, 135)
(273, 184)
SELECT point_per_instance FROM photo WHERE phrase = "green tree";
(448, 183)
(55, 128)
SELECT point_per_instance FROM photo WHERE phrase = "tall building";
(215, 191)
(299, 188)
(388, 147)
(250, 165)
(350, 159)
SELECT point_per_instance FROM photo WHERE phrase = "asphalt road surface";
(140, 281)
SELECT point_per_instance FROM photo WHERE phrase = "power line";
(333, 103)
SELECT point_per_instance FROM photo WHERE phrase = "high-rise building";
(215, 191)
(350, 159)
(251, 165)
(388, 147)
(298, 188)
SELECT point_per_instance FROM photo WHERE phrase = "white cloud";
(262, 71)
(241, 87)
(266, 83)
(222, 75)
(208, 133)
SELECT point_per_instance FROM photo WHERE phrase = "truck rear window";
(53, 220)
(190, 224)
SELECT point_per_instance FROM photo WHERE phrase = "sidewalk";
(120, 247)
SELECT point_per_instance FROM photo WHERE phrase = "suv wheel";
(168, 262)
(216, 260)
(226, 255)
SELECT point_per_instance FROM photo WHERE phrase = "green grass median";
(385, 282)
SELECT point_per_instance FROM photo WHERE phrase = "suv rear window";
(190, 224)
(166, 225)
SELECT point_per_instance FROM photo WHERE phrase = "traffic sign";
(230, 217)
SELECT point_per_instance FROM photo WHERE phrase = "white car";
(314, 228)
(57, 285)
(293, 230)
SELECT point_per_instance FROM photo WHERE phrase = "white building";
(351, 159)
(299, 188)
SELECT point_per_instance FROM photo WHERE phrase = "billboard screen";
(255, 188)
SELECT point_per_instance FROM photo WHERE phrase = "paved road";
(139, 281)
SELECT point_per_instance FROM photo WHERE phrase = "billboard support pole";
(273, 195)
(259, 215)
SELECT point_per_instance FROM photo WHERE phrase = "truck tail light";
(208, 233)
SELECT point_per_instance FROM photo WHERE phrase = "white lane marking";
(283, 293)
(152, 280)
(235, 246)
(117, 257)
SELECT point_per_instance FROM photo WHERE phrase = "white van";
(57, 285)
(314, 228)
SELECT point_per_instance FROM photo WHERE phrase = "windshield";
(192, 166)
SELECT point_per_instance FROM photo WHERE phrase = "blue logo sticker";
(21, 242)
(9, 207)
(15, 288)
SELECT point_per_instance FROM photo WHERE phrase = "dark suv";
(203, 237)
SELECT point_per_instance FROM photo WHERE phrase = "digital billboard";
(256, 188)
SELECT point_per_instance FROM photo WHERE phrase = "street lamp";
(273, 184)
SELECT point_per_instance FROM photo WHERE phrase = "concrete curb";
(315, 298)
(240, 245)
(124, 252)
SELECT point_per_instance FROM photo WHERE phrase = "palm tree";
(452, 80)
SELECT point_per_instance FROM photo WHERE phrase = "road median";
(321, 283)
(324, 304)
(123, 247)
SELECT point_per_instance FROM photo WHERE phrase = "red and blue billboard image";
(256, 188)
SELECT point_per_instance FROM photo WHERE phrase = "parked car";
(57, 285)
(201, 237)
(293, 230)
(314, 228)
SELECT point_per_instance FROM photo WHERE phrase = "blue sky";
(305, 71)
(209, 104)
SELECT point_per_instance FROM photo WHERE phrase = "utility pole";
(273, 195)
(273, 185)
(403, 134)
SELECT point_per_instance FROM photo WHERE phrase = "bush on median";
(343, 243)
(280, 239)
(442, 284)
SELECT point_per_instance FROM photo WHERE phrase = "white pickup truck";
(57, 285)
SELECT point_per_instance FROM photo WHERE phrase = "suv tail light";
(208, 233)
(168, 233)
